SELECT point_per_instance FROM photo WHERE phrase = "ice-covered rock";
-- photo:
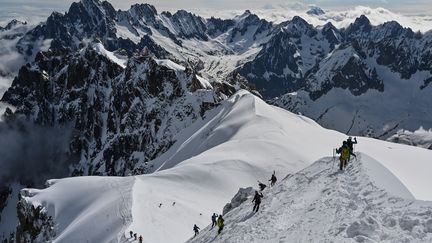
(242, 195)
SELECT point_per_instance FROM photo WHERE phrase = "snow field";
(86, 209)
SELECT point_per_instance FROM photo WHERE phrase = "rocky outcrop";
(34, 223)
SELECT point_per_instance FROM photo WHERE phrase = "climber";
(257, 200)
(135, 236)
(213, 218)
(273, 179)
(196, 229)
(140, 239)
(220, 223)
(131, 233)
(261, 185)
(160, 205)
(351, 143)
(173, 204)
(344, 152)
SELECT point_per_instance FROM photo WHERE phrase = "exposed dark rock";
(34, 223)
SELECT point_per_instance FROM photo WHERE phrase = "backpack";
(345, 152)
(220, 222)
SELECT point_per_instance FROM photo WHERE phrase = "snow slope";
(86, 209)
(241, 141)
(366, 203)
(215, 158)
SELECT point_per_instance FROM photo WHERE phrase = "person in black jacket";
(213, 218)
(273, 179)
(257, 200)
(351, 143)
(196, 229)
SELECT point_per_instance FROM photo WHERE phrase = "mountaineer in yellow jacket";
(344, 152)
(220, 223)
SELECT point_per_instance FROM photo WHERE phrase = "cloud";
(10, 59)
(31, 154)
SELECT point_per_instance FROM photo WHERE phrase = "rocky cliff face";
(35, 224)
(122, 117)
(300, 56)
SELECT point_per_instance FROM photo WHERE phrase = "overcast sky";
(41, 8)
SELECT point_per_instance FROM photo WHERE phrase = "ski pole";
(334, 156)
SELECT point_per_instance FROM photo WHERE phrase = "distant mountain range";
(130, 80)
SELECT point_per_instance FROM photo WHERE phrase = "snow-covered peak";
(315, 10)
(297, 26)
(95, 10)
(329, 26)
(393, 29)
(247, 18)
(13, 24)
(144, 12)
(244, 15)
(361, 24)
(188, 25)
(336, 60)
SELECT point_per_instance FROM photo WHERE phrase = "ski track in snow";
(321, 204)
(123, 210)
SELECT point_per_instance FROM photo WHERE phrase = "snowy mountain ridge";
(365, 203)
(225, 151)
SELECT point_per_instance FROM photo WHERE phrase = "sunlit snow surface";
(365, 203)
(240, 142)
